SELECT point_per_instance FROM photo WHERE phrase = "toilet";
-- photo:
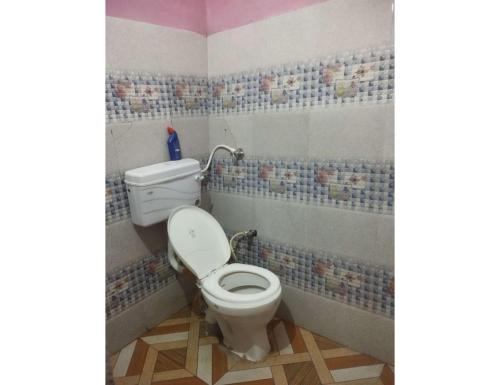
(241, 298)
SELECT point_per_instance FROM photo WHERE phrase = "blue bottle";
(174, 146)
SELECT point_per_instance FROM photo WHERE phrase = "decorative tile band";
(368, 287)
(117, 205)
(362, 77)
(356, 284)
(346, 184)
(132, 283)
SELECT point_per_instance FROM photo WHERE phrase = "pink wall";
(202, 16)
(183, 14)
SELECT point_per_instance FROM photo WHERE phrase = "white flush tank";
(154, 191)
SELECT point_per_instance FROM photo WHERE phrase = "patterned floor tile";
(357, 373)
(184, 349)
(170, 360)
(301, 373)
(350, 361)
(138, 358)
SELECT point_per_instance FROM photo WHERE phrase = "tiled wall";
(313, 109)
(350, 184)
(366, 286)
(361, 77)
(129, 284)
(346, 184)
(138, 138)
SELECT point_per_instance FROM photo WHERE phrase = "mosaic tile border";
(359, 77)
(347, 184)
(117, 204)
(368, 287)
(128, 285)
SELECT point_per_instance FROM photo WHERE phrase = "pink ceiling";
(202, 16)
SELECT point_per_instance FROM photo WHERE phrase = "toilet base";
(245, 337)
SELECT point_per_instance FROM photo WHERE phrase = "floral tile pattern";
(127, 285)
(368, 287)
(342, 279)
(297, 357)
(346, 184)
(361, 76)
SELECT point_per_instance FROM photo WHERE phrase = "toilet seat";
(198, 240)
(212, 286)
(201, 244)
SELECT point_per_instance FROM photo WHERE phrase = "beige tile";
(204, 370)
(245, 376)
(171, 375)
(282, 339)
(357, 373)
(339, 352)
(177, 321)
(368, 381)
(272, 361)
(149, 365)
(279, 375)
(129, 380)
(158, 339)
(319, 364)
(121, 366)
(170, 345)
(192, 346)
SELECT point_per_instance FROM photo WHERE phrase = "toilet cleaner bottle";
(173, 144)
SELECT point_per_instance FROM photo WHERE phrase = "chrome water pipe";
(236, 153)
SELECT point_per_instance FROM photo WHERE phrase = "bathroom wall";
(136, 120)
(309, 96)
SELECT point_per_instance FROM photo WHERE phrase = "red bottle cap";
(170, 130)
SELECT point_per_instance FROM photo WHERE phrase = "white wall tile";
(138, 46)
(350, 233)
(234, 131)
(365, 237)
(139, 143)
(141, 317)
(360, 330)
(193, 135)
(112, 165)
(309, 32)
(126, 242)
(233, 212)
(352, 132)
(278, 134)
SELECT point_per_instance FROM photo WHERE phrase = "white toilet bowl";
(242, 298)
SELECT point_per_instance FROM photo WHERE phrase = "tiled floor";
(184, 350)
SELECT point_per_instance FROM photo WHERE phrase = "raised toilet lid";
(198, 240)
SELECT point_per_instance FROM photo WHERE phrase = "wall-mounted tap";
(236, 153)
